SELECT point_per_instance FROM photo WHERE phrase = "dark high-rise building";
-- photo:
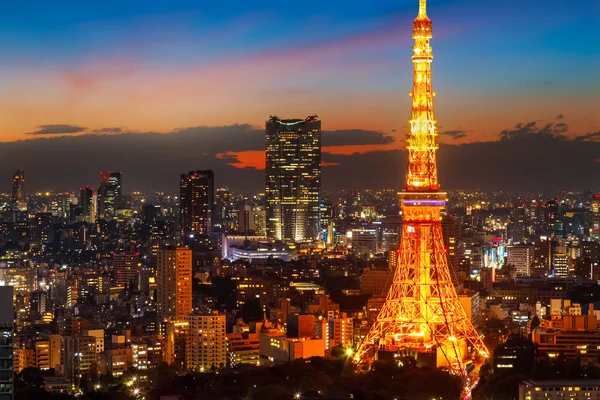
(7, 312)
(451, 232)
(196, 202)
(18, 194)
(293, 178)
(515, 356)
(86, 202)
(150, 214)
(108, 193)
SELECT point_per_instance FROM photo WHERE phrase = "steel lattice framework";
(422, 312)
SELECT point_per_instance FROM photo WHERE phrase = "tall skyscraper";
(19, 199)
(7, 315)
(174, 282)
(108, 193)
(422, 312)
(86, 202)
(196, 203)
(596, 217)
(293, 178)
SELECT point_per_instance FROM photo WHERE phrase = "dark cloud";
(592, 136)
(560, 116)
(149, 160)
(528, 157)
(549, 82)
(109, 130)
(354, 137)
(55, 129)
(523, 130)
(527, 162)
(456, 134)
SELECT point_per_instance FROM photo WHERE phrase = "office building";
(243, 348)
(573, 344)
(521, 257)
(19, 200)
(174, 282)
(543, 257)
(252, 219)
(87, 204)
(84, 356)
(109, 192)
(341, 331)
(560, 263)
(206, 343)
(300, 325)
(196, 203)
(7, 313)
(139, 356)
(470, 302)
(365, 240)
(293, 178)
(563, 389)
(275, 347)
(515, 356)
(451, 232)
(375, 281)
(595, 231)
(126, 268)
(174, 344)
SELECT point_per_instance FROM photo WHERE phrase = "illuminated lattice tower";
(422, 314)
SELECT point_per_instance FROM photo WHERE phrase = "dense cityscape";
(297, 291)
(112, 288)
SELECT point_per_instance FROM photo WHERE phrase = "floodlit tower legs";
(422, 314)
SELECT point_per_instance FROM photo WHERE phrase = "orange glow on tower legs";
(422, 312)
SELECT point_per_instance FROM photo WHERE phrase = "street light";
(349, 351)
(297, 395)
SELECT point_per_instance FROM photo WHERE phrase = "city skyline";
(354, 250)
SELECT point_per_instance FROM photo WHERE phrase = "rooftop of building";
(310, 118)
(565, 383)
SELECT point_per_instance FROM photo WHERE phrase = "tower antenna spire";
(422, 8)
(422, 313)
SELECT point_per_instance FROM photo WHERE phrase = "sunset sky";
(111, 67)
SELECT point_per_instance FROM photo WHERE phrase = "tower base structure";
(422, 314)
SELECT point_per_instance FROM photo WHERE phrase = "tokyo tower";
(422, 315)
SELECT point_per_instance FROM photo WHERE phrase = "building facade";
(196, 203)
(126, 268)
(206, 343)
(86, 202)
(109, 192)
(549, 390)
(19, 200)
(6, 343)
(522, 257)
(174, 283)
(293, 178)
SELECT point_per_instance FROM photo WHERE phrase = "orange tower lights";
(422, 313)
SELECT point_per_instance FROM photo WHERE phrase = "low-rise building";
(243, 348)
(564, 389)
(57, 384)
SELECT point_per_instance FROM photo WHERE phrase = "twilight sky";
(210, 71)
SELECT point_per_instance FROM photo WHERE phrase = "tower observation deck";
(422, 315)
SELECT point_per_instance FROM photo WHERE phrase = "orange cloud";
(256, 158)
